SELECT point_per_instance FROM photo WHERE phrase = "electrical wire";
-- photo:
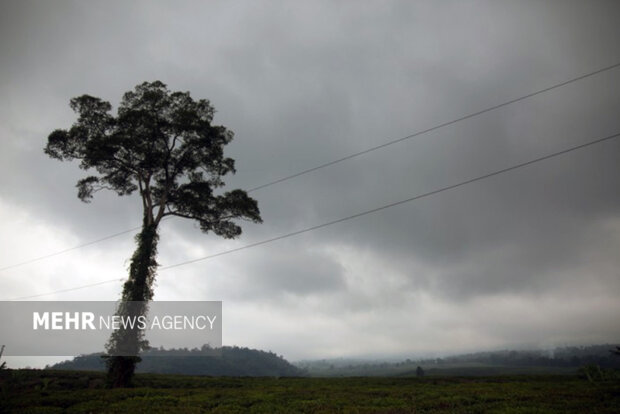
(366, 212)
(350, 156)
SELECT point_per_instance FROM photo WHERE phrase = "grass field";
(34, 391)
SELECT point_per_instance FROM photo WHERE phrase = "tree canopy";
(162, 144)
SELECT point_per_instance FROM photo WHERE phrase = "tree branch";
(192, 217)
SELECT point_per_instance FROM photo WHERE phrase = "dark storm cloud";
(289, 271)
(525, 223)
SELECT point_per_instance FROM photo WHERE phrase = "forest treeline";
(236, 361)
(553, 361)
(231, 361)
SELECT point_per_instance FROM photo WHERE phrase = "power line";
(445, 124)
(68, 290)
(354, 155)
(386, 206)
(36, 259)
(374, 210)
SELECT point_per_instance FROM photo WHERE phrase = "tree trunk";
(124, 345)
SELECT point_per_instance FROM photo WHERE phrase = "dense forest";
(232, 361)
(555, 361)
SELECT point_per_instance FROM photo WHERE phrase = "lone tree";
(163, 145)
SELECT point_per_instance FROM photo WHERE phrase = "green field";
(47, 391)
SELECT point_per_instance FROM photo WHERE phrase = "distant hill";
(234, 361)
(566, 360)
(240, 362)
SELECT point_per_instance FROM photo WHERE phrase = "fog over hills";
(236, 361)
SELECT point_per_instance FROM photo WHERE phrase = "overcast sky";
(529, 258)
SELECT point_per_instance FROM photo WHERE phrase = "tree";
(419, 371)
(163, 145)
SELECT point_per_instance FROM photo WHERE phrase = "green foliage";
(186, 394)
(595, 374)
(136, 291)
